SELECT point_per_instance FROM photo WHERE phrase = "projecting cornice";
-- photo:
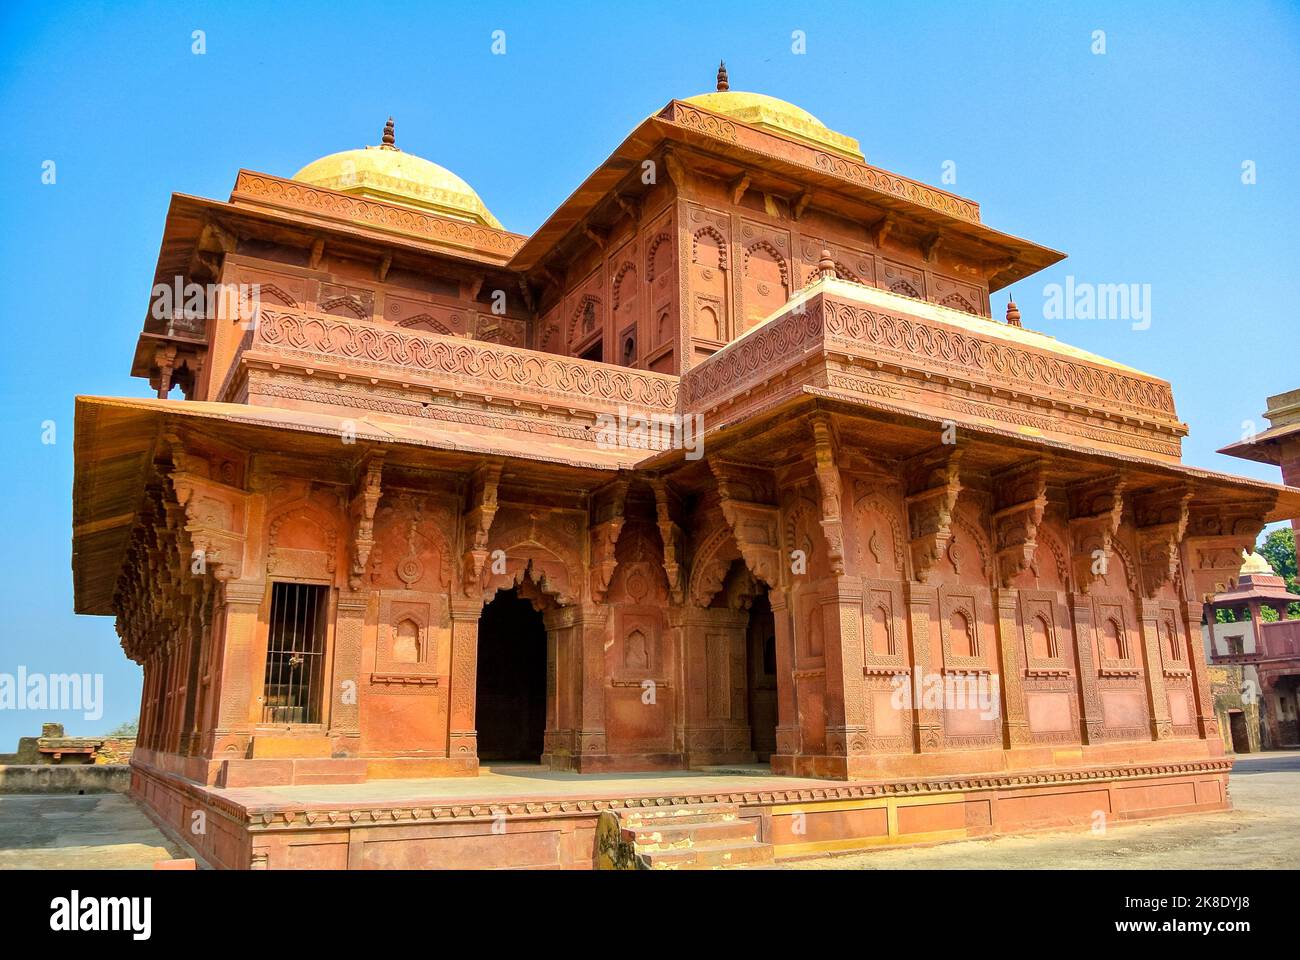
(682, 131)
(870, 346)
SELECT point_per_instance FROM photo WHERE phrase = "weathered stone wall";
(65, 778)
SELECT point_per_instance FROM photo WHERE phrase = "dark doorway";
(1240, 736)
(761, 647)
(511, 688)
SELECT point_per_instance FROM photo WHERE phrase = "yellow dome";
(1255, 564)
(386, 173)
(778, 116)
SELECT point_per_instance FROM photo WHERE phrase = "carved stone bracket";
(526, 291)
(1217, 533)
(671, 534)
(828, 480)
(677, 173)
(1161, 517)
(933, 483)
(630, 206)
(365, 500)
(1096, 507)
(1019, 503)
(608, 505)
(478, 522)
(737, 187)
(754, 525)
(214, 515)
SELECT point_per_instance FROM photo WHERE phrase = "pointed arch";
(651, 257)
(708, 230)
(770, 249)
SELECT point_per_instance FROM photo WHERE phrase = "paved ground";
(107, 831)
(104, 831)
(1261, 831)
(523, 781)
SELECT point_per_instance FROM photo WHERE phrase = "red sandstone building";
(406, 518)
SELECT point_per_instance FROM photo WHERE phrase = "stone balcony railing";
(836, 339)
(1280, 639)
(333, 347)
(870, 345)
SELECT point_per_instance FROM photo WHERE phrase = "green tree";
(128, 729)
(1278, 548)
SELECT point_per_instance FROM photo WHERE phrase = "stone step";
(671, 835)
(735, 854)
(686, 813)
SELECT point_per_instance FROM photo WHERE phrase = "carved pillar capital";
(1019, 503)
(670, 532)
(1216, 536)
(1096, 508)
(478, 519)
(1161, 518)
(365, 499)
(607, 521)
(828, 481)
(214, 514)
(932, 482)
(754, 522)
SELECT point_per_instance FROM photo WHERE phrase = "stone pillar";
(1011, 667)
(462, 738)
(243, 664)
(717, 724)
(591, 621)
(194, 669)
(1091, 721)
(210, 677)
(921, 599)
(1207, 721)
(1162, 727)
(787, 725)
(675, 641)
(171, 722)
(146, 729)
(564, 702)
(148, 708)
(845, 703)
(345, 690)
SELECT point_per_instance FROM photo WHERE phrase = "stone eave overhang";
(824, 173)
(116, 440)
(1238, 595)
(375, 217)
(1278, 501)
(189, 218)
(1264, 447)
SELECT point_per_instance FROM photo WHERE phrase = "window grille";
(295, 653)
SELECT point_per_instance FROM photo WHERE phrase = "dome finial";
(1013, 314)
(389, 140)
(723, 85)
(826, 266)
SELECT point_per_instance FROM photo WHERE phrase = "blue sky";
(1130, 161)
